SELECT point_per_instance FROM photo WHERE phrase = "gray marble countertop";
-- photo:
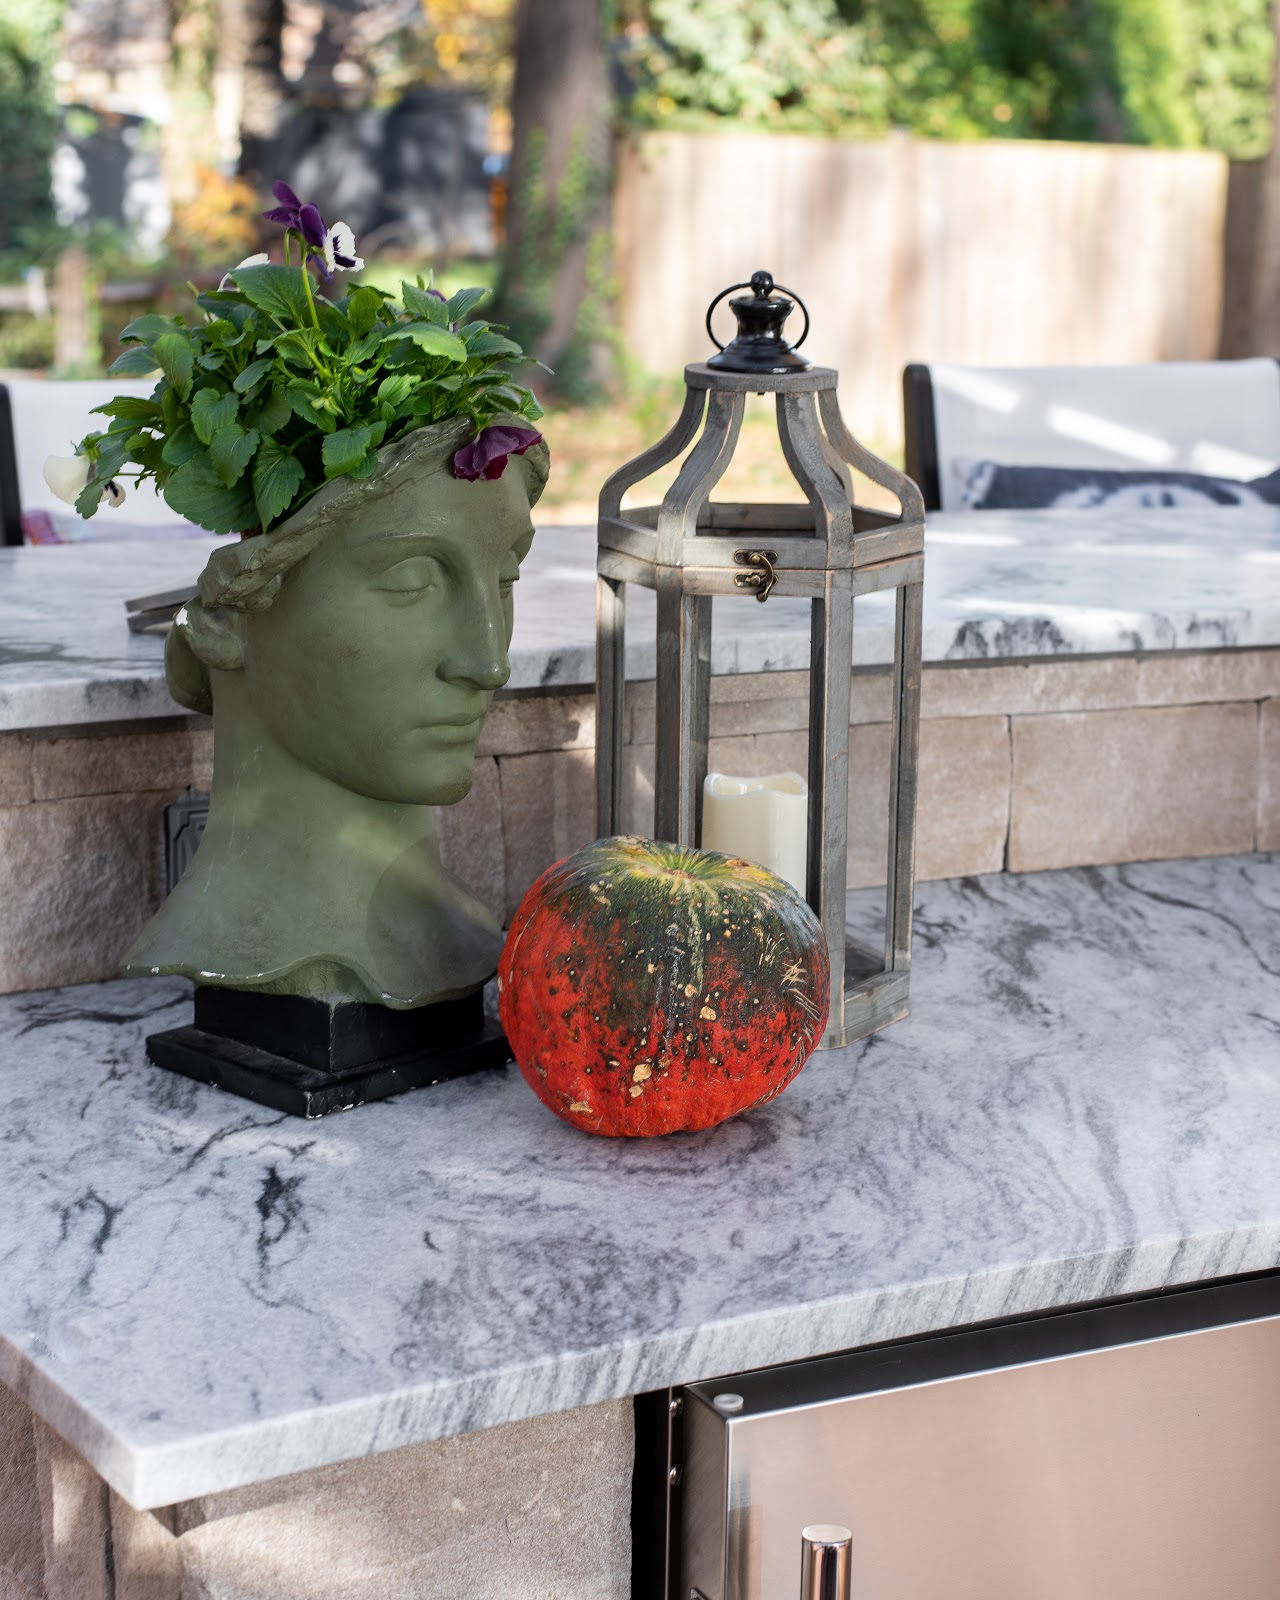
(998, 585)
(199, 1293)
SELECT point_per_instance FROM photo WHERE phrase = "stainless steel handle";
(824, 1562)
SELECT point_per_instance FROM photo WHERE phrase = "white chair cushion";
(1215, 417)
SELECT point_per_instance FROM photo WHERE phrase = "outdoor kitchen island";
(392, 1353)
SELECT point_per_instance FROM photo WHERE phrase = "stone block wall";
(1023, 766)
(82, 842)
(536, 1510)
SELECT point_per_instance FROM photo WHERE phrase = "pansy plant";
(276, 388)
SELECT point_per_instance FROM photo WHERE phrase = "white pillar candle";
(762, 819)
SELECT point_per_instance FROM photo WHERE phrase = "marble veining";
(998, 585)
(199, 1293)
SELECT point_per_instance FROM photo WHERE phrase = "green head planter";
(348, 658)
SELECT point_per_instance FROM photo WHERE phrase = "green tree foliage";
(28, 118)
(1168, 72)
(785, 63)
(1231, 50)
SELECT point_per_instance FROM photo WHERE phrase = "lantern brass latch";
(762, 576)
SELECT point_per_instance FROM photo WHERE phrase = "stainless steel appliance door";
(1040, 1462)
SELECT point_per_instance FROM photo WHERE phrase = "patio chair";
(1219, 418)
(41, 417)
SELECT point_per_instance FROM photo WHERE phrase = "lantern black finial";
(758, 345)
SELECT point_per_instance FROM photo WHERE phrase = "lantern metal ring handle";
(755, 282)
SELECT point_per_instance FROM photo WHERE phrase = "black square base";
(308, 1058)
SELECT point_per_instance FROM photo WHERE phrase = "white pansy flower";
(340, 250)
(67, 475)
(262, 259)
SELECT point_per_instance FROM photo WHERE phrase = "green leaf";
(129, 407)
(362, 306)
(228, 303)
(197, 492)
(492, 344)
(148, 329)
(211, 360)
(177, 358)
(271, 413)
(363, 348)
(115, 447)
(231, 450)
(277, 477)
(434, 341)
(223, 334)
(507, 395)
(279, 291)
(302, 397)
(419, 303)
(333, 325)
(175, 413)
(463, 301)
(88, 498)
(253, 373)
(510, 397)
(395, 391)
(212, 409)
(297, 345)
(150, 455)
(181, 445)
(348, 447)
(365, 468)
(136, 362)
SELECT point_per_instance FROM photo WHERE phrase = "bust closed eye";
(409, 579)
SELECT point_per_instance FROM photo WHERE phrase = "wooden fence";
(909, 250)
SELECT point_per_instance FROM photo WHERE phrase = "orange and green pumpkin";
(646, 988)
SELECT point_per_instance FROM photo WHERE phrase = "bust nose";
(477, 654)
(479, 672)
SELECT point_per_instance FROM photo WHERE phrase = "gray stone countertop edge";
(150, 1476)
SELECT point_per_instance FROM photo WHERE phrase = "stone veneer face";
(1031, 764)
(537, 1510)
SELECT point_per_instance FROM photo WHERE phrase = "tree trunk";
(1265, 288)
(264, 92)
(554, 285)
(190, 136)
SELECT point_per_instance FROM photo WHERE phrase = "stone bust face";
(375, 664)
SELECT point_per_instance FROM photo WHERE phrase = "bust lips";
(457, 728)
(454, 732)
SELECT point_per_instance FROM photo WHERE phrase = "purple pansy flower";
(303, 219)
(330, 248)
(486, 455)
